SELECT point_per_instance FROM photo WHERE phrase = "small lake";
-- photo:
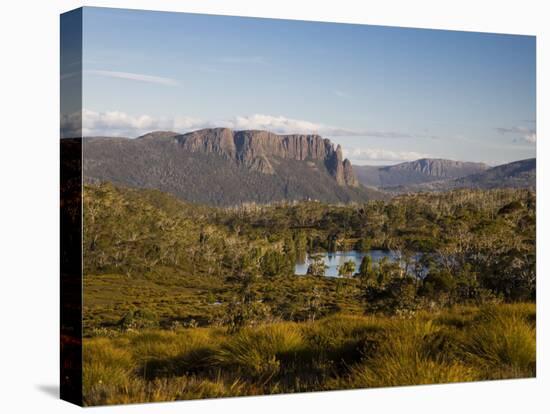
(335, 259)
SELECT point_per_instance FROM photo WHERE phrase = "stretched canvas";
(257, 206)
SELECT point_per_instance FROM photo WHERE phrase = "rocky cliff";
(259, 149)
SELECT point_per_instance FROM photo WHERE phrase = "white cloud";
(135, 76)
(526, 134)
(117, 123)
(531, 138)
(380, 154)
(284, 125)
(280, 125)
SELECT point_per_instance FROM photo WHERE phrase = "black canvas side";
(71, 207)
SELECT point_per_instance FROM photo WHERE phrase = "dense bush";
(186, 264)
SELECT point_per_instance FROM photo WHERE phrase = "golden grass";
(337, 352)
(256, 352)
(407, 356)
(503, 342)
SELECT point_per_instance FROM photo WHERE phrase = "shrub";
(437, 284)
(398, 296)
(139, 319)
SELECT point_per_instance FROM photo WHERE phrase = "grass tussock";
(410, 354)
(337, 352)
(257, 353)
(503, 342)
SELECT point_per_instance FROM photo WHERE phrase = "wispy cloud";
(160, 80)
(394, 134)
(515, 130)
(526, 134)
(380, 154)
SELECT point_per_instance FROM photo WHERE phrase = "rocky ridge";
(258, 149)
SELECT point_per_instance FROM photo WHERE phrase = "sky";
(385, 94)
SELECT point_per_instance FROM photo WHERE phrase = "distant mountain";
(416, 172)
(517, 174)
(219, 166)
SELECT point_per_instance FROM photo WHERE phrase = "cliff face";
(259, 149)
(349, 175)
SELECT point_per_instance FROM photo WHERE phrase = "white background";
(29, 207)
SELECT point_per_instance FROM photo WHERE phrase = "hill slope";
(517, 174)
(219, 166)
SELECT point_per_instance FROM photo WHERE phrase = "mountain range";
(416, 172)
(223, 167)
(219, 166)
(517, 174)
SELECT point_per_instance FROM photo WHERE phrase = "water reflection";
(333, 260)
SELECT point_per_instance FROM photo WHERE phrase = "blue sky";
(385, 94)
